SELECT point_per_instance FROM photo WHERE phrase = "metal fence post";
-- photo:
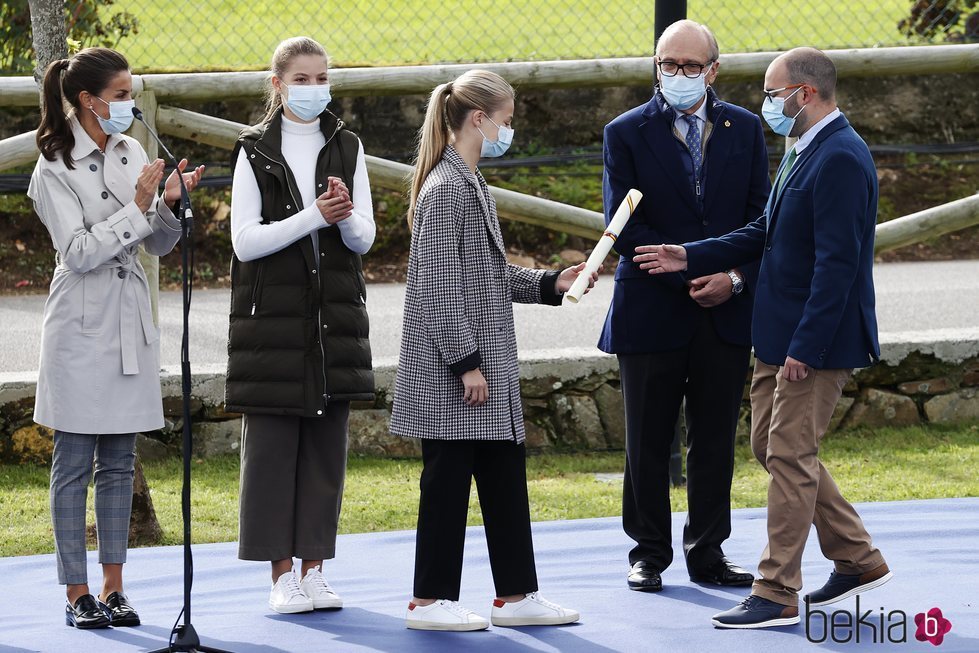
(146, 101)
(668, 12)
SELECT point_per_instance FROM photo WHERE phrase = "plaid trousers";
(114, 458)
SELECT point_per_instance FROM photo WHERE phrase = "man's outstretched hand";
(658, 259)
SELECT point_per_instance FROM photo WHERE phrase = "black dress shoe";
(643, 577)
(723, 572)
(119, 609)
(86, 613)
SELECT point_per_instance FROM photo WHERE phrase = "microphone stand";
(184, 637)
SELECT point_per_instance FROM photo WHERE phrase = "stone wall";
(572, 402)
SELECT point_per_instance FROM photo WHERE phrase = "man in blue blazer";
(702, 167)
(814, 322)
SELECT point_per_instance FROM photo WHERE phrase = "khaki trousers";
(788, 421)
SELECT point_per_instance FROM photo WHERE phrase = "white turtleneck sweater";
(301, 144)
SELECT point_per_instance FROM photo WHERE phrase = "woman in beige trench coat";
(98, 382)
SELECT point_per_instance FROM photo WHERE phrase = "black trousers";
(711, 375)
(500, 470)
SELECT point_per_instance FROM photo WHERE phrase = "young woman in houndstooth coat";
(458, 386)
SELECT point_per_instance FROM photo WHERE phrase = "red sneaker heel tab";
(411, 606)
(497, 603)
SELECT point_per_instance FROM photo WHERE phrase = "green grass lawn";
(225, 34)
(381, 494)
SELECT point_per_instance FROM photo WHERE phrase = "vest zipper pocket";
(257, 288)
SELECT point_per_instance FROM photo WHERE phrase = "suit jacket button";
(122, 274)
(125, 235)
(705, 223)
(93, 167)
(124, 161)
(768, 247)
(105, 195)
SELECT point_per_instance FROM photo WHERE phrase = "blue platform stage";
(931, 546)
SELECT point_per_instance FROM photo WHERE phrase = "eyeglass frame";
(682, 67)
(775, 91)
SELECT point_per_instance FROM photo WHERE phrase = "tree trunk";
(48, 33)
(144, 528)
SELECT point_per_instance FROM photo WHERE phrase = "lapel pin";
(727, 123)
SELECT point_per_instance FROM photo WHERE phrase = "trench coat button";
(125, 235)
(314, 270)
(288, 206)
(253, 156)
(319, 185)
(268, 167)
(125, 160)
(93, 167)
(122, 274)
(705, 223)
(319, 412)
(105, 195)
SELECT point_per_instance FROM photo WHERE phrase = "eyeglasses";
(775, 91)
(671, 68)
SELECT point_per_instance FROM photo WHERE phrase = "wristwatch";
(737, 284)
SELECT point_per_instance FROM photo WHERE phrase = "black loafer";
(643, 577)
(119, 610)
(724, 573)
(86, 613)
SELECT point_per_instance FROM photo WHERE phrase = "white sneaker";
(319, 591)
(533, 610)
(443, 615)
(287, 597)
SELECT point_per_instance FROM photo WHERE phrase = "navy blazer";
(648, 313)
(814, 300)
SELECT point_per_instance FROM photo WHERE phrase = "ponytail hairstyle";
(286, 51)
(91, 69)
(448, 108)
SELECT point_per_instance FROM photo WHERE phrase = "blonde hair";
(447, 110)
(286, 51)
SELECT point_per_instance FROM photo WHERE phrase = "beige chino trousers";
(788, 421)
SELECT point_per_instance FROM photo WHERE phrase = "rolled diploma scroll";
(604, 246)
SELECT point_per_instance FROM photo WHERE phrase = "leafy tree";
(955, 21)
(87, 23)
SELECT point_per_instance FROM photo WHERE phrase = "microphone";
(184, 194)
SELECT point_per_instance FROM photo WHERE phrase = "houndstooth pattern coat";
(458, 313)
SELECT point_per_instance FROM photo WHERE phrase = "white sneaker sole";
(291, 609)
(559, 620)
(328, 604)
(856, 590)
(436, 625)
(771, 623)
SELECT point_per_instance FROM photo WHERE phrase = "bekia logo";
(878, 627)
(932, 626)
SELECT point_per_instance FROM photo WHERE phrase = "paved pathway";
(941, 298)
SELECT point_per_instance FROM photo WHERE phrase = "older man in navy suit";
(814, 323)
(702, 167)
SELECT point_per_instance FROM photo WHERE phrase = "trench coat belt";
(135, 313)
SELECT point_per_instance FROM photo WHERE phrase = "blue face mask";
(682, 92)
(308, 101)
(502, 143)
(120, 116)
(771, 110)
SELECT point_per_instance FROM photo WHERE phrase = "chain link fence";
(184, 35)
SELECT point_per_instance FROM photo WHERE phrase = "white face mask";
(120, 116)
(308, 101)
